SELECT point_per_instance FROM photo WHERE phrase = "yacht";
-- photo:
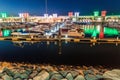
(21, 35)
(74, 33)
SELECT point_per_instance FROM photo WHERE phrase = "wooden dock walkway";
(93, 40)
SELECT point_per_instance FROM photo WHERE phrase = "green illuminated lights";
(3, 15)
(6, 33)
(96, 13)
(94, 34)
(110, 31)
(95, 30)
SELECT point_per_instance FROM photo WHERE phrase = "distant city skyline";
(37, 7)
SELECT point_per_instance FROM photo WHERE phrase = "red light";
(103, 13)
(0, 33)
(70, 14)
(26, 15)
(101, 35)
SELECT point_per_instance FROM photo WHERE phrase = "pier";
(94, 40)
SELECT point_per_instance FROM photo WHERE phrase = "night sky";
(62, 7)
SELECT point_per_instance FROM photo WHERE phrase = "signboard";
(76, 14)
(21, 15)
(45, 15)
(55, 15)
(3, 15)
(103, 13)
(96, 13)
(70, 14)
(24, 15)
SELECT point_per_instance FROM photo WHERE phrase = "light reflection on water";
(95, 30)
(61, 52)
(81, 53)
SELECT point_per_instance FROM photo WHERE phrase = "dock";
(93, 40)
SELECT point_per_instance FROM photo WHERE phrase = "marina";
(77, 53)
(59, 40)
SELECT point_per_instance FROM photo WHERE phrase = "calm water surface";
(65, 53)
(61, 53)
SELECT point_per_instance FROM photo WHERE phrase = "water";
(65, 53)
(61, 53)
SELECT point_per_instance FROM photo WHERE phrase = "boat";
(26, 35)
(73, 33)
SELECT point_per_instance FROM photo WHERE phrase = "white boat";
(19, 34)
(74, 33)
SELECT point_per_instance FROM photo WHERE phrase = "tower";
(46, 6)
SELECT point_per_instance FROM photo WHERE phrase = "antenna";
(46, 6)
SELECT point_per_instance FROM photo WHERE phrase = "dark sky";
(37, 7)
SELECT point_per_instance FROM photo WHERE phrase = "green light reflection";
(6, 33)
(95, 30)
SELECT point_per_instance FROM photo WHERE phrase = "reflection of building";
(98, 30)
(23, 43)
(60, 47)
